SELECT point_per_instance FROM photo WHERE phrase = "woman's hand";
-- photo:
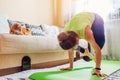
(68, 68)
(97, 72)
(71, 59)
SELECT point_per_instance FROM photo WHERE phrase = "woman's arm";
(71, 59)
(90, 38)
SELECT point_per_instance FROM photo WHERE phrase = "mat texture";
(81, 71)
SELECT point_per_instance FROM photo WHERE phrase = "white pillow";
(4, 26)
(50, 30)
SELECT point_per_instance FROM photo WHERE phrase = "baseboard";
(9, 71)
(12, 70)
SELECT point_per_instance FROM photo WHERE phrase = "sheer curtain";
(112, 26)
(110, 12)
(108, 9)
(62, 11)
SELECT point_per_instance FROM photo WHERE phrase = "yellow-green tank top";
(79, 22)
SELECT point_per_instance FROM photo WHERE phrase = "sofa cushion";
(12, 44)
(11, 22)
(50, 30)
(4, 26)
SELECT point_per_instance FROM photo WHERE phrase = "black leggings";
(98, 32)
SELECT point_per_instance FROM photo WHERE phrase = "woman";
(85, 25)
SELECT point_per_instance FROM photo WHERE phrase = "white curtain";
(113, 39)
(62, 11)
(112, 30)
(110, 11)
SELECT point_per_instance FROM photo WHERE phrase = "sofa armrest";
(12, 44)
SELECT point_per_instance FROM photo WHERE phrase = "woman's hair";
(67, 39)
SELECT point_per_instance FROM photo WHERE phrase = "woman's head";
(68, 40)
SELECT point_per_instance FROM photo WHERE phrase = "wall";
(32, 11)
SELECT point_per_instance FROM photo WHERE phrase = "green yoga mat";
(81, 71)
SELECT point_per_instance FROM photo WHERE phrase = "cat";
(19, 29)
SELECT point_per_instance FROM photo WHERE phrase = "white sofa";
(41, 49)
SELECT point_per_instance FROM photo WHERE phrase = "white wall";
(32, 11)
